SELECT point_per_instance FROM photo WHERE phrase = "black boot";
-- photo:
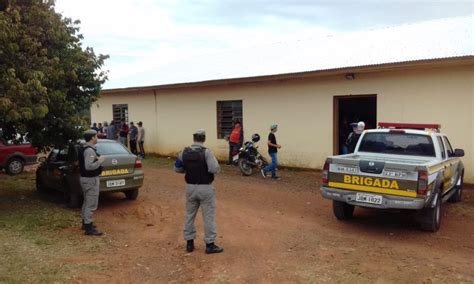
(83, 227)
(90, 230)
(190, 245)
(212, 248)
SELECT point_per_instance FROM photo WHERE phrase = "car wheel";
(457, 196)
(131, 194)
(15, 166)
(431, 220)
(342, 210)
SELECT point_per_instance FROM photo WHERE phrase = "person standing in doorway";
(354, 136)
(199, 166)
(133, 138)
(111, 131)
(273, 147)
(235, 140)
(141, 139)
(124, 133)
(90, 165)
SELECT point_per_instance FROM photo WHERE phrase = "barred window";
(227, 113)
(120, 112)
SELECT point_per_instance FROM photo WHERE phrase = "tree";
(47, 78)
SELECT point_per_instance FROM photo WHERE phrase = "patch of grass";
(36, 235)
(159, 161)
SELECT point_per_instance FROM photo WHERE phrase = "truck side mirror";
(458, 152)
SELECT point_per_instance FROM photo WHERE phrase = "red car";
(13, 158)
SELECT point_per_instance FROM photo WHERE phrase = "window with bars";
(120, 112)
(227, 113)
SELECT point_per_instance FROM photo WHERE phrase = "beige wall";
(303, 109)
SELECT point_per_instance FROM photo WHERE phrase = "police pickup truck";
(397, 166)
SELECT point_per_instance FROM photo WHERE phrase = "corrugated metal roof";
(445, 38)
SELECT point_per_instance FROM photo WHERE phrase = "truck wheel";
(457, 196)
(431, 219)
(15, 166)
(245, 167)
(342, 210)
(131, 194)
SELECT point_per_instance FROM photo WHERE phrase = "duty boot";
(190, 245)
(90, 230)
(83, 227)
(212, 248)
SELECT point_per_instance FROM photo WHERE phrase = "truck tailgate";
(375, 175)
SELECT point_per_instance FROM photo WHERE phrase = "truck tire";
(457, 196)
(15, 166)
(431, 217)
(131, 194)
(342, 210)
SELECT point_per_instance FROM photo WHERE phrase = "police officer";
(199, 166)
(90, 164)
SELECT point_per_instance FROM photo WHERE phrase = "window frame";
(123, 113)
(236, 112)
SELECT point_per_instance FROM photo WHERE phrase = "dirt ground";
(274, 232)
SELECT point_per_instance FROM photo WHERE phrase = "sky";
(146, 39)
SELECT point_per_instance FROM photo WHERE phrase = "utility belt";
(200, 183)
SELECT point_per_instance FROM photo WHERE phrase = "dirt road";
(275, 232)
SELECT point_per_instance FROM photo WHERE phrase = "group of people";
(127, 135)
(196, 162)
(236, 139)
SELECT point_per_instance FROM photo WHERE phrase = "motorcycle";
(249, 158)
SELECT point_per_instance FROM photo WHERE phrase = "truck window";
(398, 144)
(441, 145)
(449, 149)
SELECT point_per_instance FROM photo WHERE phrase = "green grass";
(36, 235)
(159, 161)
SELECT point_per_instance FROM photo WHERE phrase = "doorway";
(349, 109)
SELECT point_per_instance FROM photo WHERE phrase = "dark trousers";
(233, 148)
(133, 146)
(142, 150)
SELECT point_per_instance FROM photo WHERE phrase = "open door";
(349, 109)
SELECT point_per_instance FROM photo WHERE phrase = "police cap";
(201, 132)
(89, 134)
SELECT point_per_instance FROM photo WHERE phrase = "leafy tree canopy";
(47, 78)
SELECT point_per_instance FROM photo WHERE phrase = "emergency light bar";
(418, 126)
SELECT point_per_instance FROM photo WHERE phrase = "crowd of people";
(129, 135)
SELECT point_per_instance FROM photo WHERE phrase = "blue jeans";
(273, 165)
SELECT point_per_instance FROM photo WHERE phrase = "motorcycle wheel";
(245, 167)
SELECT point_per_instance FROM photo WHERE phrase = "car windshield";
(398, 144)
(110, 148)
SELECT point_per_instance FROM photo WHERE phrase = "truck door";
(446, 166)
(453, 163)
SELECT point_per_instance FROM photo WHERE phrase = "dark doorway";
(349, 109)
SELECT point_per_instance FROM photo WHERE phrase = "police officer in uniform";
(199, 166)
(90, 164)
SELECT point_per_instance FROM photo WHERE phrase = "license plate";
(235, 158)
(115, 183)
(369, 198)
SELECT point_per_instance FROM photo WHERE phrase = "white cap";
(360, 124)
